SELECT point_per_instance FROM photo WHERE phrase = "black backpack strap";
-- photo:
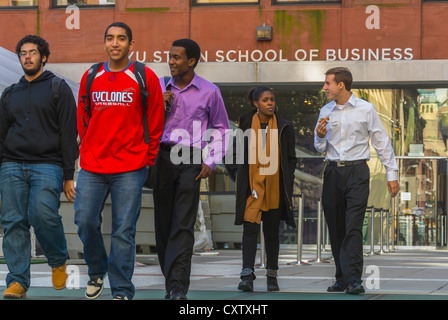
(140, 74)
(167, 79)
(5, 95)
(5, 100)
(91, 74)
(167, 106)
(86, 98)
(55, 87)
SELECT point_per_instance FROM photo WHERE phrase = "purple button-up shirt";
(197, 115)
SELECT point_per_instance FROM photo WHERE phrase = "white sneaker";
(120, 297)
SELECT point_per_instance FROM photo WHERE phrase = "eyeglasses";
(32, 53)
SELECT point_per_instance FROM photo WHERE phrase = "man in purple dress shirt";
(196, 114)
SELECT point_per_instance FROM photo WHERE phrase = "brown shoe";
(59, 277)
(15, 291)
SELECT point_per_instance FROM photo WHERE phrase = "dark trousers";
(344, 200)
(176, 200)
(271, 223)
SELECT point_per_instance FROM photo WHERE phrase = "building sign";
(355, 54)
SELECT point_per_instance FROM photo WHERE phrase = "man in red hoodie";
(114, 160)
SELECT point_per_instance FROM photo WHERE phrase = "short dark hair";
(120, 25)
(42, 45)
(342, 74)
(192, 49)
(255, 93)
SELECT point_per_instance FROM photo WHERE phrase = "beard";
(33, 71)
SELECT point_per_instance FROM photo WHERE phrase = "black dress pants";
(271, 224)
(344, 200)
(176, 200)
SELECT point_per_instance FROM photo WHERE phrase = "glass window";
(423, 122)
(416, 120)
(421, 209)
(82, 3)
(200, 2)
(19, 3)
(301, 1)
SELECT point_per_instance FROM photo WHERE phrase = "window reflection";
(421, 203)
(83, 2)
(423, 122)
(417, 123)
(224, 1)
(307, 1)
(19, 3)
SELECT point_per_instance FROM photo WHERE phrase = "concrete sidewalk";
(400, 274)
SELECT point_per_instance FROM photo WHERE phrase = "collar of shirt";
(106, 66)
(351, 101)
(195, 82)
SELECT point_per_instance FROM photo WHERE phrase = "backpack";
(140, 75)
(55, 87)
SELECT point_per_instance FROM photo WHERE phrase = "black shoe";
(177, 294)
(337, 286)
(246, 284)
(354, 288)
(272, 284)
(247, 280)
(271, 280)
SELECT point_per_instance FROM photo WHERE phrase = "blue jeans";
(30, 195)
(125, 190)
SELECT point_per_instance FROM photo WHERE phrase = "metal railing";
(384, 246)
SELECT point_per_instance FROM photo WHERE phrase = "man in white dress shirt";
(344, 129)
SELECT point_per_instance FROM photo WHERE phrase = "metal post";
(388, 231)
(33, 244)
(325, 234)
(395, 222)
(372, 235)
(381, 232)
(319, 234)
(300, 232)
(443, 218)
(372, 229)
(262, 264)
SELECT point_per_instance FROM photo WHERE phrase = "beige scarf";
(263, 170)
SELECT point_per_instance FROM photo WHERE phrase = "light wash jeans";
(30, 196)
(125, 190)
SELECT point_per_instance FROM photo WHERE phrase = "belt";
(176, 147)
(345, 163)
(165, 147)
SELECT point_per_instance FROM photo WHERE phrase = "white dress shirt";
(349, 129)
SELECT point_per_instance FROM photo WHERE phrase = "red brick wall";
(320, 30)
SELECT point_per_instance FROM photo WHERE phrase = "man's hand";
(321, 129)
(205, 172)
(393, 187)
(69, 190)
